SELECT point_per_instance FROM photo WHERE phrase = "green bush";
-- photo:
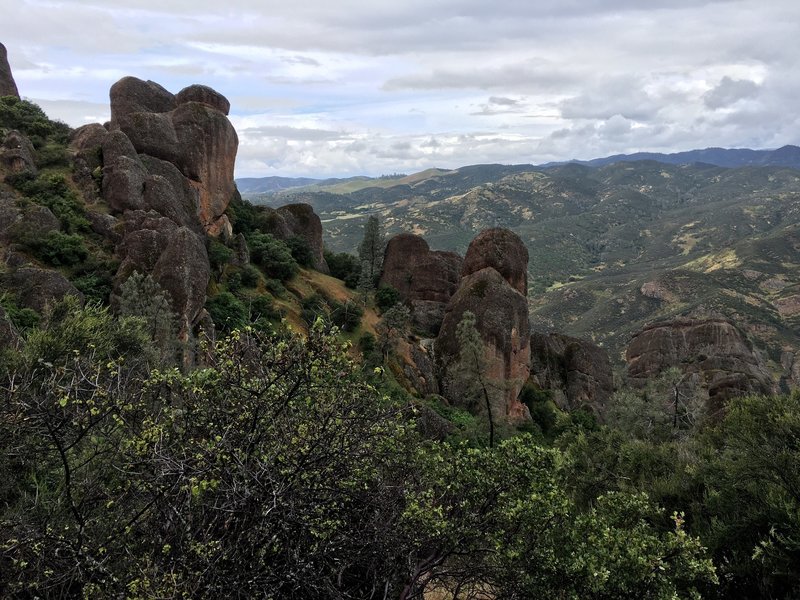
(219, 255)
(347, 315)
(386, 297)
(344, 266)
(250, 276)
(60, 249)
(21, 318)
(54, 192)
(227, 311)
(31, 120)
(301, 251)
(313, 307)
(272, 255)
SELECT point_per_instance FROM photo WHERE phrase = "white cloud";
(357, 86)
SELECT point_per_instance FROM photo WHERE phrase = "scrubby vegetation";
(276, 469)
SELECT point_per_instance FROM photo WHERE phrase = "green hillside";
(613, 247)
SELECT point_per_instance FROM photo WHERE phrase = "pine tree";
(142, 297)
(370, 254)
(471, 370)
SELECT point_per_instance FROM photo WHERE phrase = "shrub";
(301, 251)
(272, 255)
(347, 315)
(31, 120)
(344, 266)
(219, 255)
(21, 318)
(60, 249)
(250, 276)
(54, 192)
(386, 297)
(227, 311)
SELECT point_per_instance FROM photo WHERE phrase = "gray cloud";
(335, 88)
(729, 91)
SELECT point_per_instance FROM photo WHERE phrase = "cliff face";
(715, 349)
(167, 176)
(492, 293)
(576, 371)
(425, 279)
(187, 135)
(8, 86)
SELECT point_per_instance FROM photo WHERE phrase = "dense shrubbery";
(272, 255)
(386, 297)
(59, 249)
(31, 120)
(344, 266)
(275, 470)
(54, 192)
(301, 251)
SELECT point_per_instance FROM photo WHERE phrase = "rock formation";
(493, 293)
(189, 131)
(502, 250)
(425, 279)
(715, 349)
(297, 220)
(576, 371)
(36, 288)
(17, 154)
(167, 175)
(7, 85)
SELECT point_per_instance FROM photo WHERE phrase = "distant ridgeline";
(616, 246)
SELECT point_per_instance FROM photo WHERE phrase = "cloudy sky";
(345, 87)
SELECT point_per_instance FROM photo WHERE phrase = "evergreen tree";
(370, 254)
(471, 370)
(142, 297)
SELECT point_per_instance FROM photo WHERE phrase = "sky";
(332, 88)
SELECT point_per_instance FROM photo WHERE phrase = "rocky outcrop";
(167, 175)
(17, 154)
(577, 372)
(502, 321)
(191, 131)
(297, 220)
(85, 146)
(37, 288)
(425, 279)
(8, 86)
(502, 250)
(715, 349)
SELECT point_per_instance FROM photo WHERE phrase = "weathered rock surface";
(190, 131)
(501, 313)
(297, 220)
(504, 251)
(8, 86)
(85, 145)
(37, 288)
(425, 279)
(17, 154)
(168, 177)
(577, 371)
(714, 348)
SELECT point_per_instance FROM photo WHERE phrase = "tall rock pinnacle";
(7, 85)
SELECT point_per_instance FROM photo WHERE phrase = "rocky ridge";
(714, 348)
(577, 372)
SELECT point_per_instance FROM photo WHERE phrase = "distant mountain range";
(786, 156)
(612, 247)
